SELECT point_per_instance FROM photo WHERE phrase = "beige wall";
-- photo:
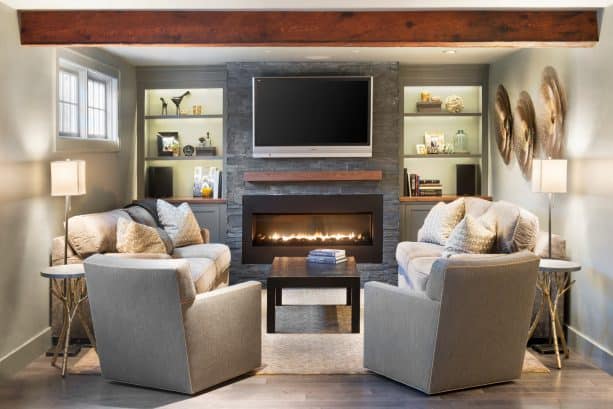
(29, 217)
(584, 216)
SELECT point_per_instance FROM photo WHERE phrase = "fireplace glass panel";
(312, 229)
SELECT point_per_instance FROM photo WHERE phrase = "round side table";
(553, 281)
(68, 285)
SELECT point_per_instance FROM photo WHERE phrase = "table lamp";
(67, 179)
(549, 176)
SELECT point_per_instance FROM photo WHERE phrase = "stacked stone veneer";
(386, 144)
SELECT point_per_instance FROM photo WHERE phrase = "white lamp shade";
(68, 178)
(549, 176)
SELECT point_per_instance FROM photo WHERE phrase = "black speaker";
(159, 181)
(468, 180)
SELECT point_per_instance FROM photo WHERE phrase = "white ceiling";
(142, 56)
(303, 5)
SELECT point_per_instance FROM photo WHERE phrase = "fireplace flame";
(315, 237)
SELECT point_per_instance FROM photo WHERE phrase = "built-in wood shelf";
(442, 113)
(443, 155)
(194, 157)
(314, 176)
(192, 200)
(445, 198)
(182, 116)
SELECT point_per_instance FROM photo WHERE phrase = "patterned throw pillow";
(134, 237)
(180, 223)
(440, 222)
(471, 235)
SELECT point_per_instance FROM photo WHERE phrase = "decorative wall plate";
(525, 134)
(503, 122)
(554, 98)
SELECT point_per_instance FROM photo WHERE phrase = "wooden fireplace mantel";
(314, 176)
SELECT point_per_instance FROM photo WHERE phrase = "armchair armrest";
(223, 333)
(399, 333)
(206, 235)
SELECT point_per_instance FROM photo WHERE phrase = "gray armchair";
(153, 330)
(469, 328)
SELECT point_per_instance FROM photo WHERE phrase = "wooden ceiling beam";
(310, 28)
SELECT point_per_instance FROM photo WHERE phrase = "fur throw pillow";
(134, 237)
(440, 221)
(471, 235)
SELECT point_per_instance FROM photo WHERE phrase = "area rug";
(310, 339)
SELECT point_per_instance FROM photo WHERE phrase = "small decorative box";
(206, 151)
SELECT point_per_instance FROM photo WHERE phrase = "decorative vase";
(459, 142)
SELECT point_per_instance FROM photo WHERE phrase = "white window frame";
(87, 68)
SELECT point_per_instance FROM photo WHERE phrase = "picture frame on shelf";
(420, 148)
(434, 141)
(166, 141)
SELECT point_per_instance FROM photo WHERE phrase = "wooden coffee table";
(296, 272)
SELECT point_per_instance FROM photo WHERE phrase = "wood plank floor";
(579, 385)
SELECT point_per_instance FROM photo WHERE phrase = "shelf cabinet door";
(412, 217)
(212, 217)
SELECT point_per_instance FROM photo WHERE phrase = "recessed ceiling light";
(355, 51)
(317, 57)
(267, 51)
(449, 51)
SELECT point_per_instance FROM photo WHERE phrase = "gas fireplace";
(292, 225)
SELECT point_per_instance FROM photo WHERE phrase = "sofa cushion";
(141, 256)
(440, 221)
(94, 233)
(475, 206)
(516, 228)
(180, 223)
(541, 249)
(134, 237)
(471, 235)
(416, 274)
(219, 253)
(205, 275)
(407, 251)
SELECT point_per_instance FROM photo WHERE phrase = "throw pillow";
(180, 223)
(440, 221)
(134, 237)
(516, 228)
(471, 235)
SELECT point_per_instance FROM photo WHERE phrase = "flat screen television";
(312, 117)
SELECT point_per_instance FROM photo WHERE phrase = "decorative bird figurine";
(164, 107)
(177, 101)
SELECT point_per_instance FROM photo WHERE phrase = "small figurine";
(208, 139)
(177, 101)
(202, 140)
(164, 107)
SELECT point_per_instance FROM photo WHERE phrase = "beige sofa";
(415, 259)
(89, 234)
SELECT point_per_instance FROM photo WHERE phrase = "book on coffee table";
(327, 253)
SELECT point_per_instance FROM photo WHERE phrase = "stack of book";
(430, 187)
(414, 185)
(327, 256)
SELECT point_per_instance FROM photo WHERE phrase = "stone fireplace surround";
(386, 139)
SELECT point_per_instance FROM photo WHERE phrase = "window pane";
(96, 108)
(68, 83)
